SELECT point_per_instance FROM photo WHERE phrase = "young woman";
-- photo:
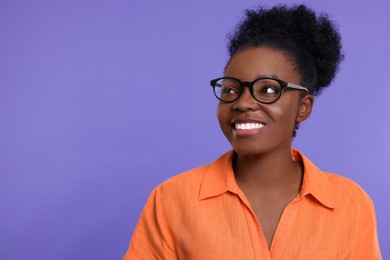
(264, 199)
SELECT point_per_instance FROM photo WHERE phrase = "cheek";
(291, 119)
(285, 114)
(222, 115)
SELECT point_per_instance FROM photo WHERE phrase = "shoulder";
(344, 186)
(183, 185)
(347, 191)
(334, 190)
(207, 177)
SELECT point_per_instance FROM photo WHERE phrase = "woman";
(263, 199)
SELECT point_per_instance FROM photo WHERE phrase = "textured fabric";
(203, 214)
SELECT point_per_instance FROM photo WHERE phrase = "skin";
(263, 166)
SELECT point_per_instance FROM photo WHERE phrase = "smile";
(248, 126)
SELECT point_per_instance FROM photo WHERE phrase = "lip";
(246, 132)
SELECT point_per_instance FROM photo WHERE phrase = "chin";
(250, 150)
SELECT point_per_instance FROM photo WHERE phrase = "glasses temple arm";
(294, 86)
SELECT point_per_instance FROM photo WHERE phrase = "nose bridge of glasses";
(249, 86)
(246, 92)
(246, 84)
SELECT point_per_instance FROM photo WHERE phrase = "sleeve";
(151, 238)
(367, 244)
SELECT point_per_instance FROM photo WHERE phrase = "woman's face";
(271, 125)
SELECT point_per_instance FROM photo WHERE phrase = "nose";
(246, 102)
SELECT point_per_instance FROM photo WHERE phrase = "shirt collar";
(219, 178)
(315, 181)
(216, 178)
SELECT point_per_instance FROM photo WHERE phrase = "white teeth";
(248, 126)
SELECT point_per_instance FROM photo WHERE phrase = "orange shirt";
(203, 214)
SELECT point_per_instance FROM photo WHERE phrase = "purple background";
(102, 100)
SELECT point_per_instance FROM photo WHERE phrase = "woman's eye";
(268, 90)
(228, 90)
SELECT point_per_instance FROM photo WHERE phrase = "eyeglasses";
(265, 90)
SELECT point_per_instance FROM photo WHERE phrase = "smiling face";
(254, 128)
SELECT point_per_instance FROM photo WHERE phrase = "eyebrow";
(259, 77)
(268, 76)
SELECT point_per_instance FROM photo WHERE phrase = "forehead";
(254, 62)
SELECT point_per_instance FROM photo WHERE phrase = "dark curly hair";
(311, 42)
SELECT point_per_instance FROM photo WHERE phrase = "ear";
(305, 108)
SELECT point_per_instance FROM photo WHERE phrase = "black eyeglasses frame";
(283, 85)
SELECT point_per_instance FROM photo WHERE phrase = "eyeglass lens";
(264, 90)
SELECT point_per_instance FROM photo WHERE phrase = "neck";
(270, 172)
